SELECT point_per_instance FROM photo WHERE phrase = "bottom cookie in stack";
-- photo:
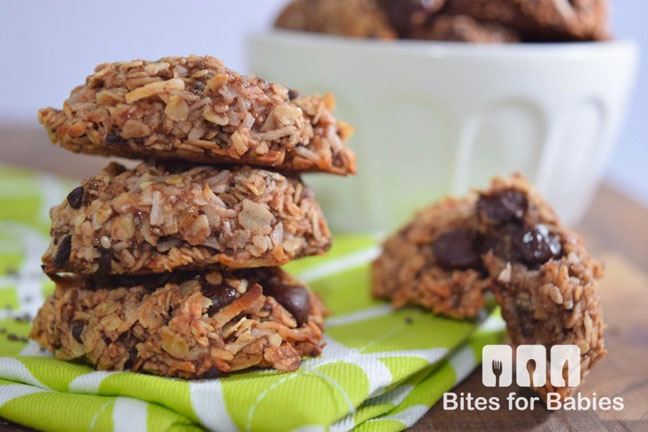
(183, 324)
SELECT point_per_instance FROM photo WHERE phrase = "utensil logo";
(530, 365)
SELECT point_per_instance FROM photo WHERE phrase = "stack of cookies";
(171, 267)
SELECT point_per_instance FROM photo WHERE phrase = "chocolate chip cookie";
(351, 18)
(545, 280)
(541, 20)
(158, 217)
(189, 325)
(452, 20)
(463, 28)
(506, 240)
(383, 19)
(195, 109)
(405, 15)
(435, 261)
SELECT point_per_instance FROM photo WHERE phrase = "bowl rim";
(450, 48)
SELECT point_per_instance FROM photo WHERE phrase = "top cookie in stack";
(169, 267)
(197, 110)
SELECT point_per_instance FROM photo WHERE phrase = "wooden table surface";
(615, 229)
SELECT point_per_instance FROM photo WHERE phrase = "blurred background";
(49, 47)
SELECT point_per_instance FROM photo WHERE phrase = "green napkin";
(381, 369)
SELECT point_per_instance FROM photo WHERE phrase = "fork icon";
(496, 366)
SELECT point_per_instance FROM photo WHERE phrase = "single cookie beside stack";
(172, 267)
(506, 240)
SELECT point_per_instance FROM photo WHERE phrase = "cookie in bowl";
(478, 21)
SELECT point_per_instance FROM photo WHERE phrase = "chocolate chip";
(132, 358)
(75, 198)
(502, 207)
(458, 248)
(104, 263)
(76, 327)
(113, 139)
(535, 245)
(294, 298)
(293, 94)
(220, 296)
(63, 253)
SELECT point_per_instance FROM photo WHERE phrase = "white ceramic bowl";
(436, 118)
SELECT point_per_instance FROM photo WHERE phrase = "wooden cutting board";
(617, 231)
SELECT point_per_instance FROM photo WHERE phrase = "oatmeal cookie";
(509, 241)
(405, 15)
(463, 28)
(541, 20)
(382, 19)
(189, 325)
(352, 18)
(159, 217)
(432, 262)
(544, 279)
(196, 109)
